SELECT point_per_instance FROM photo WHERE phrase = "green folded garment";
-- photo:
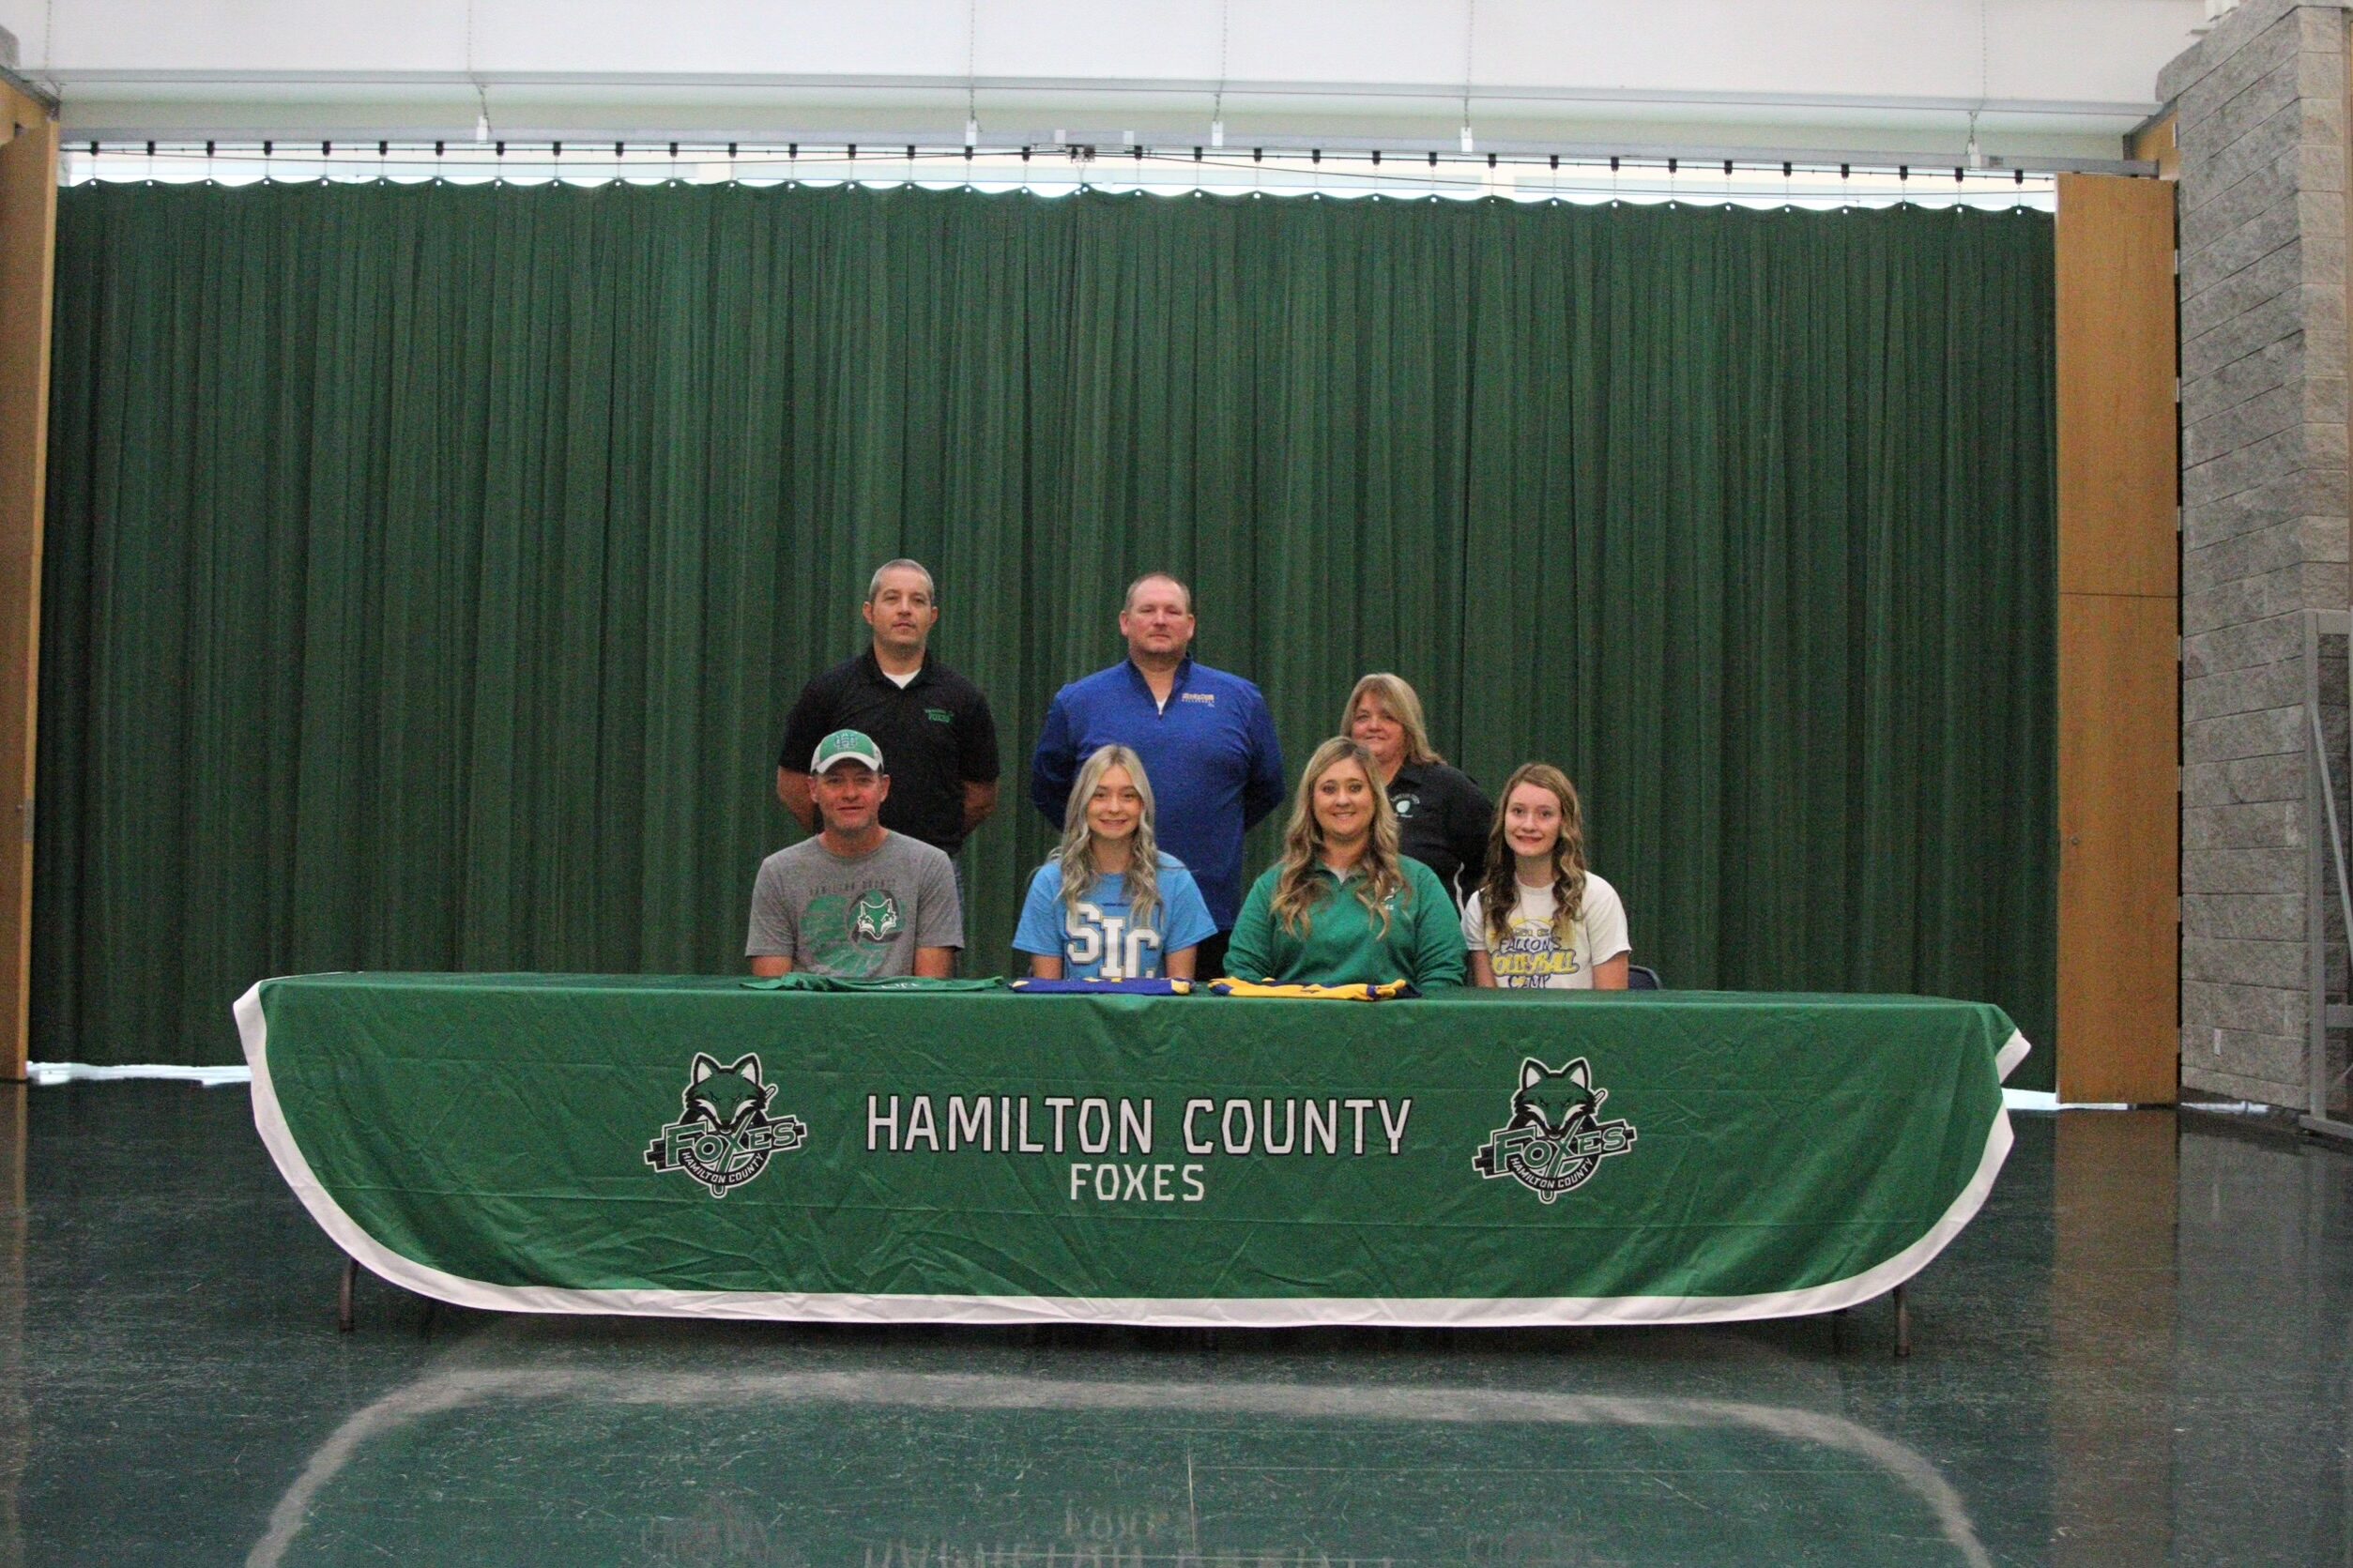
(896, 982)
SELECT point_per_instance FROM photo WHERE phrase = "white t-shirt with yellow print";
(1533, 956)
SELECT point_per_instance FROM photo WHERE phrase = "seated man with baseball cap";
(858, 901)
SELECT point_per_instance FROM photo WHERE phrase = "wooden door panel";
(2119, 849)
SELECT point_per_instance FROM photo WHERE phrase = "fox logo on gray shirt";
(875, 917)
(854, 917)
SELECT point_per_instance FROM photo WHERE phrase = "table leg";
(342, 1296)
(1903, 1323)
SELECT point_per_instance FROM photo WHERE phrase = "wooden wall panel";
(2119, 850)
(2120, 650)
(2158, 142)
(2118, 479)
(28, 226)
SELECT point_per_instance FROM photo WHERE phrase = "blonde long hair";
(1298, 890)
(1076, 851)
(1396, 699)
(1499, 894)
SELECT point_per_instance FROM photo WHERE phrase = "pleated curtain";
(430, 568)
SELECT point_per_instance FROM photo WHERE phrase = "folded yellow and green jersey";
(1387, 991)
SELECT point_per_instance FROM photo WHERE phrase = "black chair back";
(1642, 977)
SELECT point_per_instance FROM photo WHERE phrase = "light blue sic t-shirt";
(1099, 939)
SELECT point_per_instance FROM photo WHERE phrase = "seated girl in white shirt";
(1555, 924)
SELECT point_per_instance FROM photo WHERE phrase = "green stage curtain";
(430, 568)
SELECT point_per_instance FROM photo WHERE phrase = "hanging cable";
(971, 79)
(1470, 37)
(1217, 105)
(482, 94)
(1985, 78)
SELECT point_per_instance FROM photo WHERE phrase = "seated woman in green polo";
(1343, 907)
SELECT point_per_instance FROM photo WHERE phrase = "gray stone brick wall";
(2260, 118)
(2336, 720)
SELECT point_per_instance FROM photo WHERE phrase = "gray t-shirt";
(859, 919)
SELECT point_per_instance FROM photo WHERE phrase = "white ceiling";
(2049, 80)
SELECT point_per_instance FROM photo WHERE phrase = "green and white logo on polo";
(725, 1136)
(875, 917)
(1554, 1142)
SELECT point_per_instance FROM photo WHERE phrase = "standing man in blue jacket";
(1204, 735)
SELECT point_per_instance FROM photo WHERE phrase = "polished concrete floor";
(2142, 1352)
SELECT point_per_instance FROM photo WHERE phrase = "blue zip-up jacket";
(1214, 762)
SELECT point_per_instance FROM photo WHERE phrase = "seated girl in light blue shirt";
(1109, 905)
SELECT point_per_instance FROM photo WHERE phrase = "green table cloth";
(690, 1145)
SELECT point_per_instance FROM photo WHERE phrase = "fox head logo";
(725, 1096)
(724, 1135)
(1555, 1139)
(875, 917)
(1555, 1102)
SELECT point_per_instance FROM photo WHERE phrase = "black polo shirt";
(1442, 821)
(937, 736)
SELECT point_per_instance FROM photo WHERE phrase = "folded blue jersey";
(1105, 987)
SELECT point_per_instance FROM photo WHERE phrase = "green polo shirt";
(1343, 944)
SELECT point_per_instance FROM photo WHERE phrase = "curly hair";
(1076, 851)
(1298, 890)
(1499, 892)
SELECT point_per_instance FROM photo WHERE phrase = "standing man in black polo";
(933, 724)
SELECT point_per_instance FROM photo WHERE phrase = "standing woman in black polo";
(1442, 816)
(933, 724)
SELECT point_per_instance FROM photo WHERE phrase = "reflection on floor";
(2139, 1352)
